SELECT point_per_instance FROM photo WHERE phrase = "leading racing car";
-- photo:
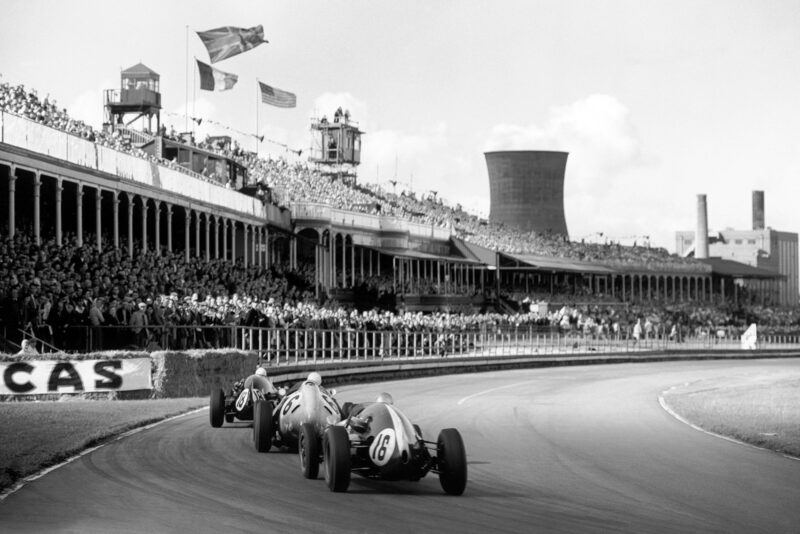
(240, 403)
(376, 440)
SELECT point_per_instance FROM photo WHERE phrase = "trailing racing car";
(298, 420)
(377, 441)
(240, 403)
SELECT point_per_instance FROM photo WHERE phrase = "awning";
(419, 255)
(476, 252)
(736, 269)
(550, 263)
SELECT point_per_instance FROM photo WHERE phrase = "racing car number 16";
(382, 447)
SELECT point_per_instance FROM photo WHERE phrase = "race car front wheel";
(216, 407)
(308, 450)
(336, 453)
(262, 425)
(451, 461)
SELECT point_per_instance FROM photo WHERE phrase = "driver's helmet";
(385, 398)
(315, 378)
(261, 372)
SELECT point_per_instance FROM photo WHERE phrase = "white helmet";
(261, 372)
(315, 378)
(385, 398)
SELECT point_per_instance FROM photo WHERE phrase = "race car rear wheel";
(308, 450)
(451, 461)
(216, 407)
(262, 425)
(336, 453)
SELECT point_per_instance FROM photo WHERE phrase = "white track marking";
(19, 485)
(677, 416)
(469, 397)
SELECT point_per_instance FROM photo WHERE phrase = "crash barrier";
(196, 373)
(294, 345)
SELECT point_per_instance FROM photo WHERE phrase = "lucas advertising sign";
(85, 376)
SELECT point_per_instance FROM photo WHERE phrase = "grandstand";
(138, 228)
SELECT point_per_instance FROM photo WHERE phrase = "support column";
(144, 225)
(352, 265)
(344, 261)
(130, 225)
(245, 228)
(158, 228)
(197, 234)
(98, 218)
(37, 221)
(233, 241)
(225, 239)
(59, 190)
(187, 222)
(115, 207)
(216, 237)
(267, 258)
(12, 193)
(169, 228)
(79, 200)
(208, 237)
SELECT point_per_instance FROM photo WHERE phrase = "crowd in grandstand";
(47, 290)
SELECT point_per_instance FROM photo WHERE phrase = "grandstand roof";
(550, 263)
(418, 254)
(476, 252)
(736, 269)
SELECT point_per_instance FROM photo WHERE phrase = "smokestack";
(758, 210)
(701, 238)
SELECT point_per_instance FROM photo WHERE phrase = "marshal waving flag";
(276, 97)
(212, 79)
(229, 41)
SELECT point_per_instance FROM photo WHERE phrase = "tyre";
(216, 407)
(336, 453)
(308, 450)
(451, 461)
(262, 425)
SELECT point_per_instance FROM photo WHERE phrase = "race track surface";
(571, 449)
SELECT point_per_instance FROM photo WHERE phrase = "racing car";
(297, 421)
(244, 395)
(376, 440)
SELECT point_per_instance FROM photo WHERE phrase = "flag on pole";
(276, 97)
(229, 41)
(212, 79)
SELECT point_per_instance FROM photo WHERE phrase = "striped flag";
(212, 79)
(276, 97)
(229, 41)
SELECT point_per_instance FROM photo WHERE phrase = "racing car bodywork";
(240, 403)
(379, 442)
(297, 421)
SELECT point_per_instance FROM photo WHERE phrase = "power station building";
(761, 247)
(527, 189)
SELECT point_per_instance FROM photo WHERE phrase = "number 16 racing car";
(377, 441)
(244, 395)
(297, 421)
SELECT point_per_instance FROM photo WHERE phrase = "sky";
(655, 101)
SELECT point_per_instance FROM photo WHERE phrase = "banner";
(750, 338)
(36, 377)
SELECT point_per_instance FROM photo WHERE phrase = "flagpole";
(194, 95)
(258, 92)
(186, 83)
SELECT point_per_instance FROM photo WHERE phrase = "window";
(738, 241)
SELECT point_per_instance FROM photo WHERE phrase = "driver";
(260, 380)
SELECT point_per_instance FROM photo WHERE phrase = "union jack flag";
(229, 41)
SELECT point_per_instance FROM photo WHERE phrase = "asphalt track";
(570, 449)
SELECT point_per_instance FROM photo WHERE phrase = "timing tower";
(336, 145)
(138, 93)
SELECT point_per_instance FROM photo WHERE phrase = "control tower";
(336, 145)
(527, 189)
(138, 94)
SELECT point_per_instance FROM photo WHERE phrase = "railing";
(293, 345)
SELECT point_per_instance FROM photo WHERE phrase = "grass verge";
(37, 435)
(760, 409)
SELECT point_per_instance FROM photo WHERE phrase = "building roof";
(549, 263)
(141, 68)
(736, 269)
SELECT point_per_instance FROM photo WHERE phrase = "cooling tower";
(701, 237)
(758, 210)
(527, 189)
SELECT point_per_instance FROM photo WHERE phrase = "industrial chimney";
(701, 238)
(758, 210)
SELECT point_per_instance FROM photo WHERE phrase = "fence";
(294, 345)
